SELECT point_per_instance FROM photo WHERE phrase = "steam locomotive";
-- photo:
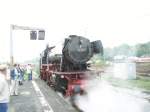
(68, 72)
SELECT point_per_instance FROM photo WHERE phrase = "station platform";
(36, 96)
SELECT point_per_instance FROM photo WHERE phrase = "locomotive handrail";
(79, 72)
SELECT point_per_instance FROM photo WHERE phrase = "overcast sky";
(112, 21)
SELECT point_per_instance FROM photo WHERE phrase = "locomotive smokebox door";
(78, 49)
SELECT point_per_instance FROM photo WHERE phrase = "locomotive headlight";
(53, 75)
(62, 76)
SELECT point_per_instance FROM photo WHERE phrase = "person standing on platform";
(4, 89)
(29, 72)
(14, 80)
(20, 71)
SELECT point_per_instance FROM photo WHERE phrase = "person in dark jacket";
(14, 80)
(20, 71)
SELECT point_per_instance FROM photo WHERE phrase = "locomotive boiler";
(67, 72)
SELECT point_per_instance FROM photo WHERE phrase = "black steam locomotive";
(66, 71)
(76, 52)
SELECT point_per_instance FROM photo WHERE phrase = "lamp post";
(11, 46)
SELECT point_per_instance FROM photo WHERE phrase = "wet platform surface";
(36, 96)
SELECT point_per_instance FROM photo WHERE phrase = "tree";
(143, 49)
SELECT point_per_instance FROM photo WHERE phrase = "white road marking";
(43, 101)
(25, 93)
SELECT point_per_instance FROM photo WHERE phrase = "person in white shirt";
(4, 89)
(29, 72)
